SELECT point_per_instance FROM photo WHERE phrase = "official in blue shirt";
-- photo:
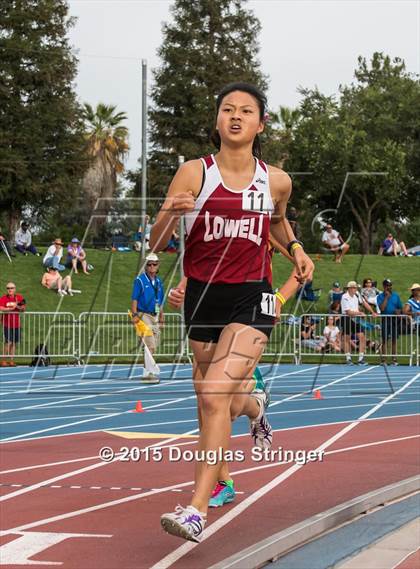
(147, 300)
(390, 306)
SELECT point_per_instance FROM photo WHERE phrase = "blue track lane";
(65, 400)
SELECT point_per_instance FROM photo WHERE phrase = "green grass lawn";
(108, 287)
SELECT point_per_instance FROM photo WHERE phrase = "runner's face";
(238, 119)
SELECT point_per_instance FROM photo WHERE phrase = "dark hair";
(262, 105)
(365, 281)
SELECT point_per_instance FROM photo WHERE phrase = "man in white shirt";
(333, 241)
(23, 240)
(350, 302)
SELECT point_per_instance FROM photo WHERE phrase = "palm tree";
(107, 146)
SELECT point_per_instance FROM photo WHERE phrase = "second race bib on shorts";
(268, 304)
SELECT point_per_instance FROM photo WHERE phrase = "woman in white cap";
(412, 307)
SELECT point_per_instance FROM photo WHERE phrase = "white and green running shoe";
(261, 430)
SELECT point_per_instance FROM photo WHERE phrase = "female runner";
(229, 304)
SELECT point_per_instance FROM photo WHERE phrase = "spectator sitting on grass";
(332, 335)
(54, 281)
(333, 241)
(391, 248)
(5, 244)
(390, 306)
(370, 293)
(23, 240)
(76, 256)
(412, 307)
(54, 255)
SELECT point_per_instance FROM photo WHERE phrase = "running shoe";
(224, 493)
(259, 381)
(261, 430)
(187, 523)
(362, 362)
(150, 378)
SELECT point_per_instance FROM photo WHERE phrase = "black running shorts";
(210, 307)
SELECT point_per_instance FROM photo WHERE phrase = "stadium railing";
(56, 330)
(93, 336)
(385, 336)
(111, 335)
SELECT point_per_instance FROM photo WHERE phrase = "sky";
(303, 43)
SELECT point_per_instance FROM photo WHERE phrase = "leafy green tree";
(208, 44)
(42, 156)
(370, 134)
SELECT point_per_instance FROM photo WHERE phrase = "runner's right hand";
(183, 203)
(176, 297)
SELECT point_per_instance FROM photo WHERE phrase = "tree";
(107, 146)
(42, 155)
(370, 134)
(208, 44)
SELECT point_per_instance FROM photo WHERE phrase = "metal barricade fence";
(377, 337)
(111, 334)
(56, 330)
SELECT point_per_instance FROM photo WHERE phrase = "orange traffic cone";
(139, 407)
(317, 394)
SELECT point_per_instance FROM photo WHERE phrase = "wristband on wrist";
(134, 314)
(292, 245)
(281, 298)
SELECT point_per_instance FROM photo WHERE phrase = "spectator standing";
(11, 305)
(54, 255)
(391, 248)
(412, 307)
(332, 335)
(76, 256)
(335, 293)
(54, 281)
(350, 302)
(5, 245)
(333, 241)
(23, 240)
(390, 306)
(292, 218)
(370, 293)
(146, 303)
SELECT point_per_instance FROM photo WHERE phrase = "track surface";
(62, 504)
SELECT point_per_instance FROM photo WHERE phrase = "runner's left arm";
(281, 188)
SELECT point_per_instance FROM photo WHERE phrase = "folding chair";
(308, 298)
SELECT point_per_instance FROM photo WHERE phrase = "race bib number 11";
(254, 201)
(268, 304)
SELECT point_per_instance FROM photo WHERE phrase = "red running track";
(115, 507)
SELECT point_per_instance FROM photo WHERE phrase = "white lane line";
(97, 418)
(79, 471)
(34, 466)
(194, 407)
(335, 381)
(116, 392)
(126, 499)
(179, 552)
(58, 386)
(22, 436)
